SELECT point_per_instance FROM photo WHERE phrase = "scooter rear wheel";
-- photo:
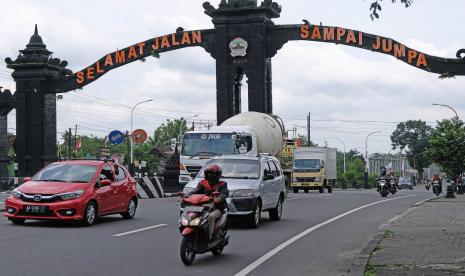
(186, 251)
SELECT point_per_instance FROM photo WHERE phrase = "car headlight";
(73, 195)
(195, 222)
(16, 193)
(243, 193)
(294, 179)
(317, 179)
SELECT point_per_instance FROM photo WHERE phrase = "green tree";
(447, 146)
(168, 131)
(375, 7)
(413, 136)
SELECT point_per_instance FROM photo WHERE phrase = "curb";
(361, 261)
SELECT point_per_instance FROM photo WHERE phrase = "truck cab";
(200, 146)
(314, 169)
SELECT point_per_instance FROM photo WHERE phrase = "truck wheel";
(330, 189)
(306, 190)
(321, 190)
(296, 190)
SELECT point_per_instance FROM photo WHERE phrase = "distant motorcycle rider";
(382, 176)
(392, 176)
(437, 178)
(208, 186)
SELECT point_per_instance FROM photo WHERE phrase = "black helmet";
(383, 170)
(213, 173)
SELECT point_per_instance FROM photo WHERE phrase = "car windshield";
(211, 144)
(235, 169)
(307, 165)
(65, 172)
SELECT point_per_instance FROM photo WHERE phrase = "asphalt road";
(329, 247)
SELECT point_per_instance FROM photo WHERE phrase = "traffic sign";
(116, 137)
(139, 136)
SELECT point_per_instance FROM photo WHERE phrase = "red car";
(76, 191)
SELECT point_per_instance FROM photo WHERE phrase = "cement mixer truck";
(246, 134)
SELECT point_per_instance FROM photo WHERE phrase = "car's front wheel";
(254, 218)
(90, 214)
(131, 210)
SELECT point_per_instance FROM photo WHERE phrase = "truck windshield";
(208, 144)
(236, 169)
(307, 165)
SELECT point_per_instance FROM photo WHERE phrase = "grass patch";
(370, 270)
(388, 233)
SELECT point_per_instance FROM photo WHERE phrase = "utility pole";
(308, 130)
(75, 141)
(69, 142)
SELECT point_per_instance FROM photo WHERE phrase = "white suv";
(256, 184)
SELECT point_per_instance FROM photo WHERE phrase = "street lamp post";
(444, 105)
(450, 188)
(132, 120)
(344, 144)
(366, 156)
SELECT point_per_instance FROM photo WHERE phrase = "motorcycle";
(393, 186)
(193, 226)
(427, 185)
(383, 187)
(436, 187)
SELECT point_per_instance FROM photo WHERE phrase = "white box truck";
(314, 168)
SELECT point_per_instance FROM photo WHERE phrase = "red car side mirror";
(27, 179)
(105, 182)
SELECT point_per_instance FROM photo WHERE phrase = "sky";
(349, 92)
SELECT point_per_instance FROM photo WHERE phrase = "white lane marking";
(285, 244)
(139, 230)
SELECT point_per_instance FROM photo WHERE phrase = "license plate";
(37, 209)
(194, 209)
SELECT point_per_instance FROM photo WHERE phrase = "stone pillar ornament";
(36, 134)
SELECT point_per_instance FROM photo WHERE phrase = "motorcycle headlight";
(184, 222)
(243, 193)
(195, 222)
(72, 195)
(16, 193)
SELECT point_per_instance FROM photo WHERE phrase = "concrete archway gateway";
(243, 41)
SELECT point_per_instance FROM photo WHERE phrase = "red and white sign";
(139, 136)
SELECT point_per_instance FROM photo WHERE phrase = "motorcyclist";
(382, 176)
(208, 186)
(392, 176)
(437, 178)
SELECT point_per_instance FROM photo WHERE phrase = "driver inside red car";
(208, 186)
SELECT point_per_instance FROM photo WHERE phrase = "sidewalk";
(429, 240)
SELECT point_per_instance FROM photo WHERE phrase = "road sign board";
(116, 137)
(139, 136)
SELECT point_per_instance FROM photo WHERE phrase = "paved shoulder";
(429, 240)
